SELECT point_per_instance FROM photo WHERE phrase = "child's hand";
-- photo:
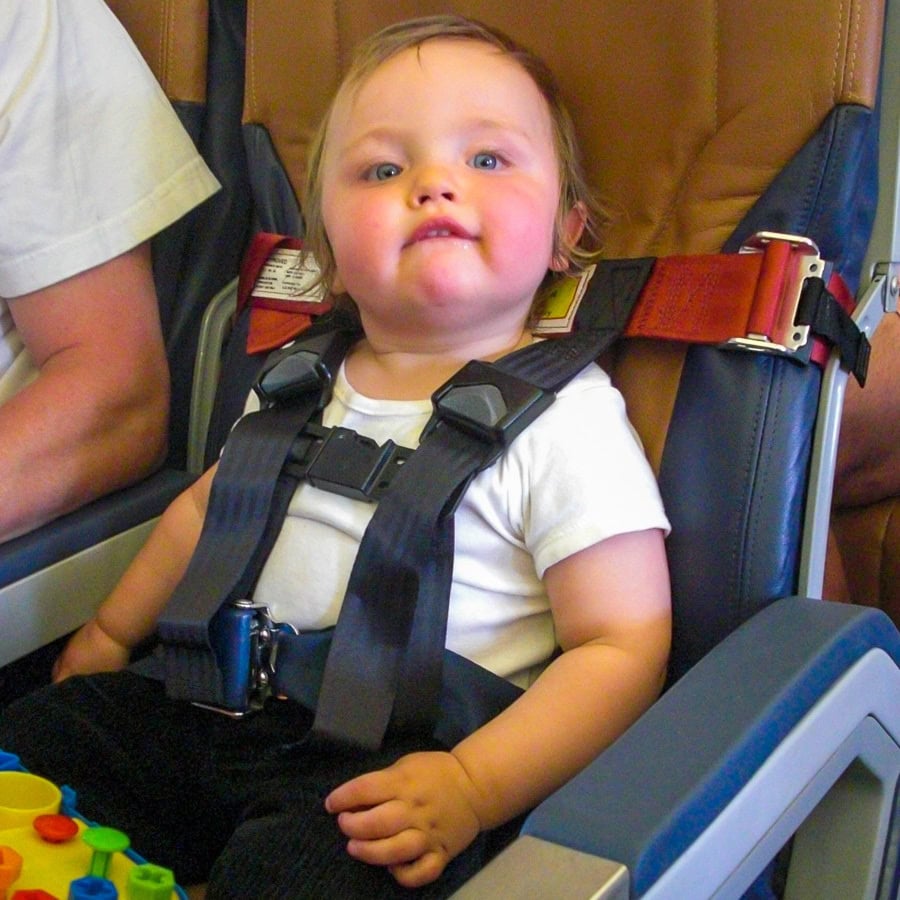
(91, 649)
(412, 817)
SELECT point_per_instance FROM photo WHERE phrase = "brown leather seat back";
(172, 36)
(686, 110)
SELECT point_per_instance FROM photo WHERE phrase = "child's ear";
(570, 232)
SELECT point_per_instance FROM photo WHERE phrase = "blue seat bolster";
(710, 733)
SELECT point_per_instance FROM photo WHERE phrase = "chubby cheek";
(360, 240)
(523, 229)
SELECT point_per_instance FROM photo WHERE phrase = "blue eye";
(485, 160)
(383, 171)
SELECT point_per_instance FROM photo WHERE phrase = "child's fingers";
(399, 849)
(380, 821)
(361, 792)
(421, 871)
(60, 670)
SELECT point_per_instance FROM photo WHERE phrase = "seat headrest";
(685, 109)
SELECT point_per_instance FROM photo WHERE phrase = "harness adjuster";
(788, 262)
(344, 462)
(302, 368)
(484, 401)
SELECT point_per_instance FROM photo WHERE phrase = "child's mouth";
(438, 229)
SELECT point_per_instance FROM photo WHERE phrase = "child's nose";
(434, 183)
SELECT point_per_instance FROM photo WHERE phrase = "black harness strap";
(387, 655)
(387, 650)
(240, 506)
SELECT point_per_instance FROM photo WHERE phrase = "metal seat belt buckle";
(787, 262)
(243, 637)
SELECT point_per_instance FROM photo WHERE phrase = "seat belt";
(399, 585)
(239, 509)
(387, 649)
(771, 296)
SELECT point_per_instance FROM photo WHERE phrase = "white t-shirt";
(93, 159)
(575, 476)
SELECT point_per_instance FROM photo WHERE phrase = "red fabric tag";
(272, 322)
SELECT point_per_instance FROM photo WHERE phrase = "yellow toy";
(49, 852)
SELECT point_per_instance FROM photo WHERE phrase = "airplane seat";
(52, 578)
(701, 125)
(195, 49)
(173, 39)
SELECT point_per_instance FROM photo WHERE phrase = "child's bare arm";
(612, 613)
(129, 613)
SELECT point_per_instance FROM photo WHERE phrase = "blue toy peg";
(92, 888)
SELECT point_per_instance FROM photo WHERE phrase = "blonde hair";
(387, 43)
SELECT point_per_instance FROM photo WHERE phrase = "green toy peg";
(150, 882)
(104, 842)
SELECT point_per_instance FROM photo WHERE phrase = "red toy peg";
(55, 829)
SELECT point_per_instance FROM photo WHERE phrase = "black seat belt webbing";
(397, 598)
(243, 494)
(819, 309)
(240, 507)
(388, 644)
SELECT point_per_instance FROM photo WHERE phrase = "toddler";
(444, 190)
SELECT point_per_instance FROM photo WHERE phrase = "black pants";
(239, 803)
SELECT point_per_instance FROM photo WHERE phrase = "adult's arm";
(868, 462)
(95, 418)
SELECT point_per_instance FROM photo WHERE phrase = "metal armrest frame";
(214, 331)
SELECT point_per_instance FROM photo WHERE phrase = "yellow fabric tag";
(561, 303)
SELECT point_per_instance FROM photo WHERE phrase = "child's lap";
(137, 762)
(191, 786)
(276, 854)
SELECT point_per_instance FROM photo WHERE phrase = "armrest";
(52, 579)
(651, 795)
(90, 525)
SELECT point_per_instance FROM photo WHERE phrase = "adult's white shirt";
(93, 159)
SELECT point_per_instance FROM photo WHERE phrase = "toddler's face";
(440, 188)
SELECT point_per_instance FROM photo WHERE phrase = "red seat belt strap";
(749, 300)
(770, 297)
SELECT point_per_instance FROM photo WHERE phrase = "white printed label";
(289, 275)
